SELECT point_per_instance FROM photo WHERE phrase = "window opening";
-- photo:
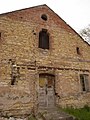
(44, 39)
(0, 35)
(13, 80)
(44, 17)
(84, 82)
(78, 50)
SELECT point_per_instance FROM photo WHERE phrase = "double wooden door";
(46, 94)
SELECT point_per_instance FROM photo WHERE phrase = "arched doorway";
(46, 94)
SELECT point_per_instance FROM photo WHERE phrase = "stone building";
(43, 62)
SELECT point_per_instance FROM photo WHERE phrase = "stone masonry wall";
(69, 89)
(21, 57)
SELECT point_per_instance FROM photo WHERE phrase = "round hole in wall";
(44, 17)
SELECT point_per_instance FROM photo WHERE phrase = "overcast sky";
(75, 12)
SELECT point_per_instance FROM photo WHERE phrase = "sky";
(76, 13)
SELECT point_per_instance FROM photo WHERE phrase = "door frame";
(53, 77)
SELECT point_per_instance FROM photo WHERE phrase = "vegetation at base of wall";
(81, 114)
(32, 117)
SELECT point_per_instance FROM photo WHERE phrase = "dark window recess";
(78, 50)
(13, 80)
(44, 39)
(44, 17)
(0, 35)
(84, 82)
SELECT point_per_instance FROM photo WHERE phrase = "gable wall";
(19, 44)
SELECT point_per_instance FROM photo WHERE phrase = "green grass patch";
(81, 114)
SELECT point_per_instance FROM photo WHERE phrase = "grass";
(81, 114)
(32, 118)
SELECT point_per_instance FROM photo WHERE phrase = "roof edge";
(23, 9)
(69, 26)
(53, 12)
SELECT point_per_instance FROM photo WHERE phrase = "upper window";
(44, 17)
(44, 39)
(0, 35)
(84, 82)
(78, 50)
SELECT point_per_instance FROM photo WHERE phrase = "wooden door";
(46, 90)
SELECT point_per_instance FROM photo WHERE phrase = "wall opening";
(44, 17)
(13, 80)
(46, 79)
(46, 92)
(44, 39)
(0, 35)
(84, 82)
(78, 50)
